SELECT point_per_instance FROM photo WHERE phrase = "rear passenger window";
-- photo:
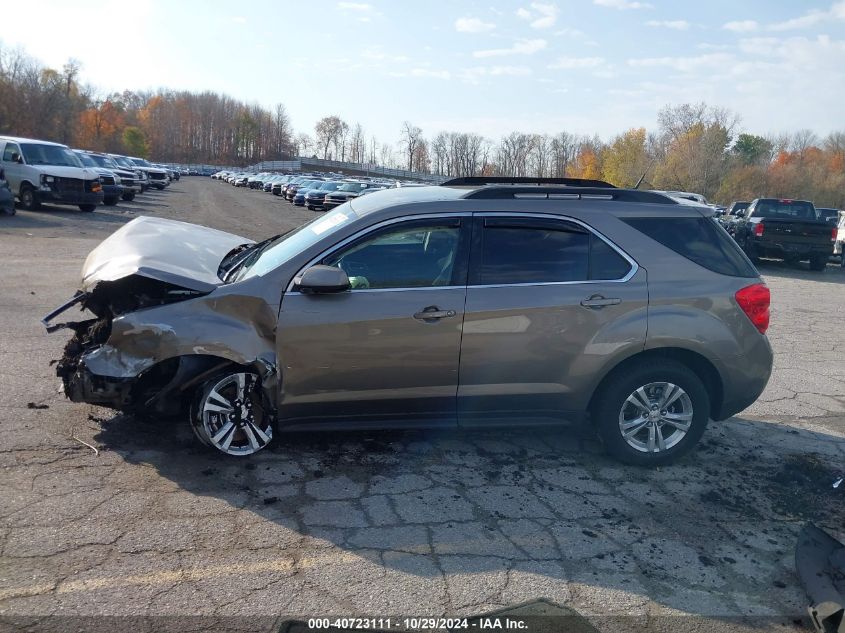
(700, 240)
(525, 250)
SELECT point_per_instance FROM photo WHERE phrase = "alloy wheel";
(231, 417)
(655, 417)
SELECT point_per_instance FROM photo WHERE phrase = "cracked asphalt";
(392, 524)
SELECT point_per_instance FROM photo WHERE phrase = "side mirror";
(322, 280)
(2, 174)
(17, 158)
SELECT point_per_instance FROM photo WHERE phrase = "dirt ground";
(394, 524)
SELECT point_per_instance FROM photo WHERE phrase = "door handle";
(433, 313)
(597, 301)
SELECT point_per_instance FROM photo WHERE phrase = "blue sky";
(585, 66)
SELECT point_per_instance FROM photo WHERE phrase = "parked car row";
(317, 192)
(37, 172)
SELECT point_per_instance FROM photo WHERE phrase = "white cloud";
(684, 64)
(520, 47)
(741, 26)
(677, 25)
(473, 25)
(623, 5)
(570, 63)
(238, 19)
(543, 15)
(808, 19)
(811, 18)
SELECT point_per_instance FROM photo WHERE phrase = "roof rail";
(509, 180)
(574, 193)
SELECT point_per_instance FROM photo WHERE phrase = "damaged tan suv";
(471, 304)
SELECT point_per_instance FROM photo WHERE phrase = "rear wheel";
(87, 208)
(230, 415)
(29, 198)
(653, 413)
(818, 262)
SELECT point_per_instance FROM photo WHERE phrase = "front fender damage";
(140, 356)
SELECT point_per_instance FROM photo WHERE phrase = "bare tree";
(411, 136)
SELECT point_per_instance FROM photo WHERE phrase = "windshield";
(123, 162)
(329, 186)
(85, 160)
(351, 186)
(140, 162)
(38, 154)
(103, 161)
(277, 252)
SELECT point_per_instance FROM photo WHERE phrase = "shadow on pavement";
(712, 535)
(801, 271)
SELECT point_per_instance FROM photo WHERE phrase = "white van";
(40, 171)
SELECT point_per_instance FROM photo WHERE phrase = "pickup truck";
(785, 229)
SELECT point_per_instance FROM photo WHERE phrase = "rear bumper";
(788, 249)
(744, 378)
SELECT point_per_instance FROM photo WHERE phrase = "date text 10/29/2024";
(418, 624)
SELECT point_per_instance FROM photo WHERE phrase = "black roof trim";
(508, 180)
(567, 193)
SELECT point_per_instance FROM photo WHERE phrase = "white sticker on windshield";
(330, 221)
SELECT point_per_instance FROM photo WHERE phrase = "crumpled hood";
(180, 253)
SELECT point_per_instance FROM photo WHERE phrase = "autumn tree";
(626, 159)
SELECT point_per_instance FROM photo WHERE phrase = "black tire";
(258, 410)
(29, 198)
(111, 201)
(87, 208)
(818, 263)
(310, 207)
(128, 196)
(612, 403)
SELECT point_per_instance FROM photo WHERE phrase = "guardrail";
(335, 165)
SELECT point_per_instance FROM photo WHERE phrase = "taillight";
(834, 233)
(754, 301)
(758, 229)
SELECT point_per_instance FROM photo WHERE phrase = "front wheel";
(29, 198)
(230, 414)
(128, 196)
(111, 201)
(87, 208)
(652, 414)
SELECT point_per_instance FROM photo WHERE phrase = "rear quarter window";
(700, 240)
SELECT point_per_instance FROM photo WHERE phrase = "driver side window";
(11, 148)
(406, 256)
